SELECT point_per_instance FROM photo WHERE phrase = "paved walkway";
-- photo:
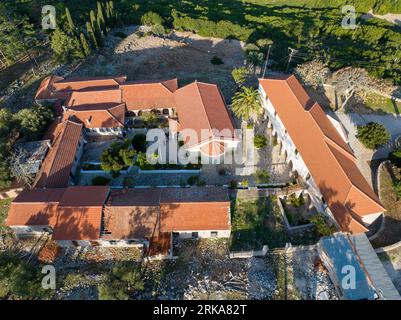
(352, 120)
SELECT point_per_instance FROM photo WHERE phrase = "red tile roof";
(112, 117)
(75, 213)
(34, 207)
(73, 84)
(84, 196)
(102, 102)
(93, 100)
(56, 168)
(78, 223)
(149, 95)
(194, 216)
(328, 158)
(200, 106)
(144, 212)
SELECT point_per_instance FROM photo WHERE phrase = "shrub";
(151, 19)
(193, 180)
(395, 157)
(151, 119)
(259, 141)
(373, 135)
(296, 201)
(233, 184)
(117, 156)
(216, 60)
(159, 30)
(100, 181)
(201, 183)
(397, 188)
(19, 279)
(239, 75)
(139, 142)
(244, 183)
(123, 280)
(249, 126)
(262, 176)
(321, 225)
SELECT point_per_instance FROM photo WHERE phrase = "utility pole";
(292, 53)
(267, 59)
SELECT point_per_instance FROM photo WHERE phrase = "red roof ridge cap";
(366, 195)
(203, 104)
(61, 136)
(345, 152)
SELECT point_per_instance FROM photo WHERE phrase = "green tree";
(85, 46)
(71, 25)
(395, 157)
(259, 141)
(246, 104)
(255, 59)
(239, 75)
(151, 19)
(33, 121)
(65, 48)
(20, 280)
(117, 156)
(373, 135)
(262, 176)
(123, 281)
(91, 35)
(95, 28)
(100, 19)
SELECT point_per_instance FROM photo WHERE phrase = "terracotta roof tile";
(34, 207)
(333, 167)
(144, 212)
(78, 223)
(93, 100)
(84, 196)
(148, 95)
(56, 167)
(71, 84)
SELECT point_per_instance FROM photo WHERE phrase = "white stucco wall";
(187, 234)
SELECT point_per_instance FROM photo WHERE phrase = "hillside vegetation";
(312, 27)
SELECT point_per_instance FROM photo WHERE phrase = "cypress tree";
(100, 19)
(71, 25)
(85, 46)
(91, 35)
(95, 28)
(108, 16)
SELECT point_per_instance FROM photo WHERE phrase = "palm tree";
(246, 104)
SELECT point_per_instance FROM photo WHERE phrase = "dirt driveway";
(181, 54)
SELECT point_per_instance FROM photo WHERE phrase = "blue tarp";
(340, 253)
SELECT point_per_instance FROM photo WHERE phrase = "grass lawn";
(258, 222)
(392, 226)
(381, 104)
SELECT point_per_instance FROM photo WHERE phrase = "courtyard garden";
(258, 221)
(296, 210)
